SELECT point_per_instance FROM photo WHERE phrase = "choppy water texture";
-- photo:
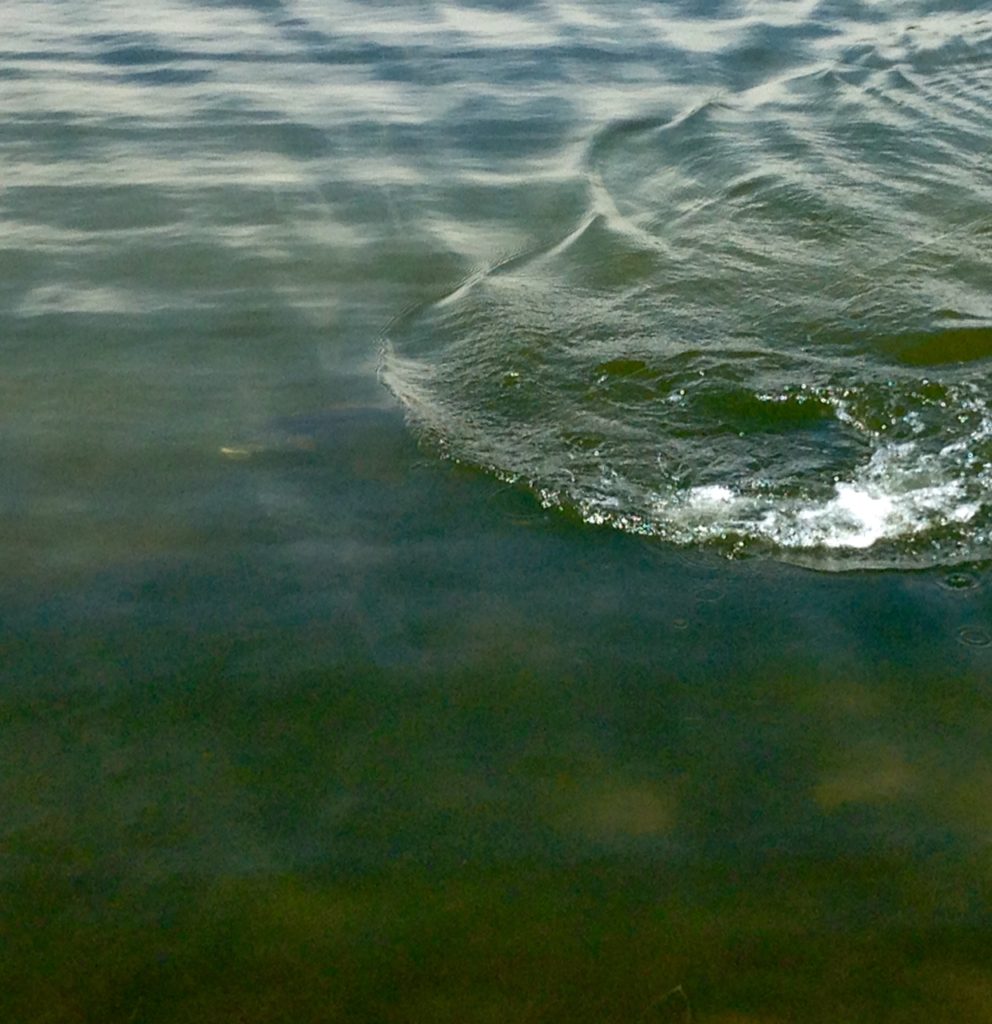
(768, 327)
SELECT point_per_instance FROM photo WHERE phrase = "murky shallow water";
(303, 722)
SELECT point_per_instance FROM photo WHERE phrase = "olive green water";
(320, 707)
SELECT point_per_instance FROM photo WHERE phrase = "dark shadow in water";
(434, 754)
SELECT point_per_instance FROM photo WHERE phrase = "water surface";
(497, 693)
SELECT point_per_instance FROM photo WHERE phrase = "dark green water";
(523, 710)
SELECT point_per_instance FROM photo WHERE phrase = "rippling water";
(768, 325)
(327, 701)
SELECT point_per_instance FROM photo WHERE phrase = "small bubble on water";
(680, 623)
(974, 636)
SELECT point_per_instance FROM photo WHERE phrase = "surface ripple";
(769, 331)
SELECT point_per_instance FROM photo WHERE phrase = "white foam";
(713, 494)
(900, 493)
(854, 518)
